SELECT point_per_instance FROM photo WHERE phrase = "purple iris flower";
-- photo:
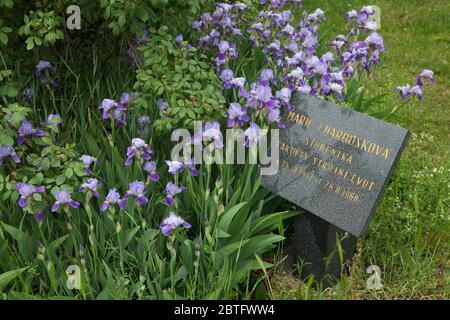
(113, 197)
(52, 119)
(376, 40)
(43, 71)
(417, 91)
(92, 185)
(284, 95)
(161, 105)
(107, 106)
(337, 88)
(26, 191)
(87, 161)
(171, 223)
(142, 123)
(404, 91)
(150, 168)
(8, 151)
(175, 166)
(179, 40)
(425, 74)
(139, 149)
(252, 135)
(190, 165)
(63, 197)
(227, 77)
(40, 216)
(274, 116)
(28, 93)
(26, 129)
(212, 132)
(237, 115)
(267, 77)
(171, 191)
(137, 189)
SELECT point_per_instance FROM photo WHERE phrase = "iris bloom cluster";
(406, 91)
(290, 48)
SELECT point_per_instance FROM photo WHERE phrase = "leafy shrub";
(179, 75)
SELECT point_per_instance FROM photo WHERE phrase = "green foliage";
(4, 30)
(7, 88)
(181, 77)
(122, 14)
(41, 28)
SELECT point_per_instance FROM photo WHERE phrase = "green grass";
(409, 238)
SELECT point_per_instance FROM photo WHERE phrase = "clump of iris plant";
(293, 63)
(171, 223)
(406, 91)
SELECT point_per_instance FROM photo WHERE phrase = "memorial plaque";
(335, 162)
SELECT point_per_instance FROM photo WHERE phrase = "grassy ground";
(409, 238)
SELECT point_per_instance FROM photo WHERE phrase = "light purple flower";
(179, 40)
(237, 115)
(150, 168)
(137, 189)
(113, 197)
(87, 162)
(284, 95)
(171, 223)
(43, 71)
(52, 120)
(190, 165)
(26, 129)
(63, 197)
(160, 104)
(26, 191)
(227, 77)
(425, 74)
(92, 185)
(404, 91)
(417, 91)
(212, 132)
(171, 191)
(252, 135)
(108, 107)
(174, 166)
(8, 151)
(376, 40)
(140, 150)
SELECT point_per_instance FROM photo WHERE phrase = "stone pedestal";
(315, 242)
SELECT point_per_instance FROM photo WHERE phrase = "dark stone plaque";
(335, 162)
